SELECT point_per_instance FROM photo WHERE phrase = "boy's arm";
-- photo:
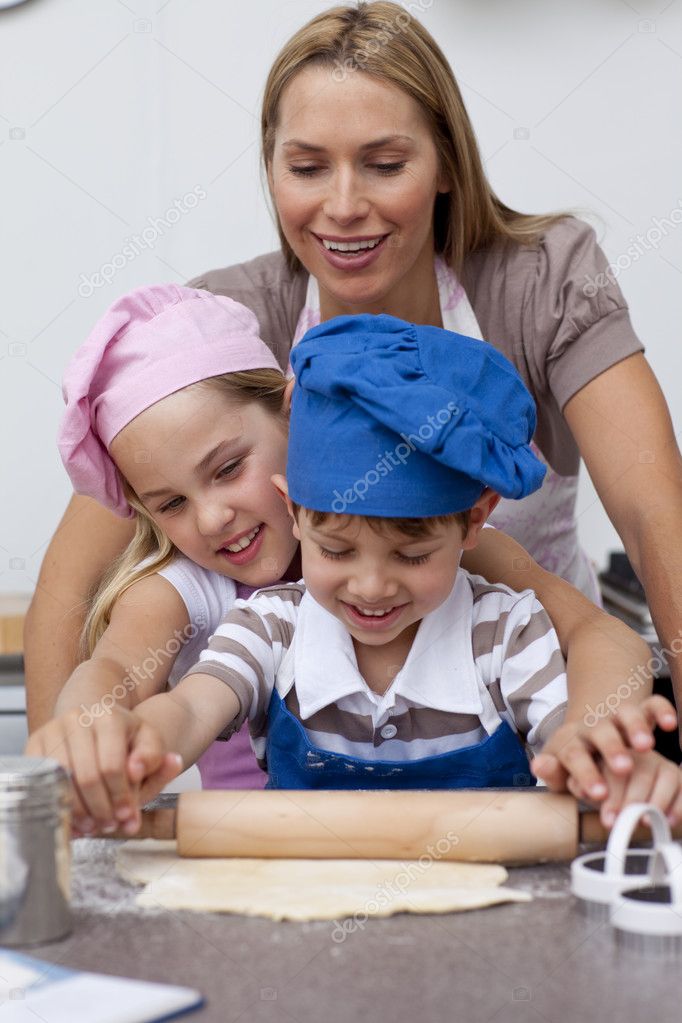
(188, 719)
(601, 653)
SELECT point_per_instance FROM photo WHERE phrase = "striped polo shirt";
(486, 654)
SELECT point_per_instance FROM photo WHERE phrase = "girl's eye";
(172, 505)
(417, 560)
(332, 554)
(229, 470)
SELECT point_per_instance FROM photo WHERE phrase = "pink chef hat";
(149, 344)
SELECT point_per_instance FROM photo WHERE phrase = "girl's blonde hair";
(265, 387)
(383, 40)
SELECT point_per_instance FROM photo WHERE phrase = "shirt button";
(388, 731)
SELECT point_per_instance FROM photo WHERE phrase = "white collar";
(326, 669)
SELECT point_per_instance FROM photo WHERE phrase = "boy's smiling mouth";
(373, 618)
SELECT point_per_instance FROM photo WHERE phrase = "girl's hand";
(583, 752)
(654, 779)
(94, 750)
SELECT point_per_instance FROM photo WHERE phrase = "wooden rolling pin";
(485, 826)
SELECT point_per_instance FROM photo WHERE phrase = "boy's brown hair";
(414, 528)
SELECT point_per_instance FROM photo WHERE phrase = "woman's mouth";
(373, 619)
(351, 253)
(246, 548)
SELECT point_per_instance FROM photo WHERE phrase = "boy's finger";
(661, 712)
(547, 768)
(666, 788)
(611, 746)
(613, 803)
(580, 764)
(147, 752)
(170, 768)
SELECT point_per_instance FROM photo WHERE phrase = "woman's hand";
(578, 755)
(107, 758)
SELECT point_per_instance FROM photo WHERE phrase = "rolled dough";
(288, 889)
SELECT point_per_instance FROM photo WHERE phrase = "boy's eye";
(332, 554)
(416, 559)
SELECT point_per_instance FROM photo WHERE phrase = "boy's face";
(378, 584)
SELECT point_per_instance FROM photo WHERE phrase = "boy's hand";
(99, 756)
(583, 753)
(654, 779)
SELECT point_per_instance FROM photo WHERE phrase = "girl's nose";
(213, 517)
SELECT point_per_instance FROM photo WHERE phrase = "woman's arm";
(87, 539)
(622, 425)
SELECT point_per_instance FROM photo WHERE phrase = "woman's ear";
(478, 516)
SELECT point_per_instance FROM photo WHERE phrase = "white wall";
(110, 111)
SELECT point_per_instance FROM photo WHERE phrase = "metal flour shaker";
(35, 856)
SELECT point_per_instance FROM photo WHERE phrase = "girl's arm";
(606, 669)
(87, 539)
(131, 662)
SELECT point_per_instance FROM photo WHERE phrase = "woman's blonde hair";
(383, 40)
(265, 387)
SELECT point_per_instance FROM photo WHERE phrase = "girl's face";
(201, 466)
(355, 164)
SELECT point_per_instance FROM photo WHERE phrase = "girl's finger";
(86, 774)
(112, 750)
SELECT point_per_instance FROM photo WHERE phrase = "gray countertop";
(533, 962)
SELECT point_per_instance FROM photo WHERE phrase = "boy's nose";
(372, 587)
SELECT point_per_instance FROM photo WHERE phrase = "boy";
(387, 666)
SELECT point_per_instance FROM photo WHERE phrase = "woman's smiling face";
(354, 164)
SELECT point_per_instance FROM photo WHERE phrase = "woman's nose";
(345, 202)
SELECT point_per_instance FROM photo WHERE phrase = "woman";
(382, 206)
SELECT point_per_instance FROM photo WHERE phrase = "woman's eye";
(332, 554)
(389, 168)
(172, 505)
(303, 171)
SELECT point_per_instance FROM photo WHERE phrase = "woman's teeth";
(244, 542)
(350, 246)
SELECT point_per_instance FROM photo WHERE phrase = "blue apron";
(294, 762)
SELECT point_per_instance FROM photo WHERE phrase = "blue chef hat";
(398, 420)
